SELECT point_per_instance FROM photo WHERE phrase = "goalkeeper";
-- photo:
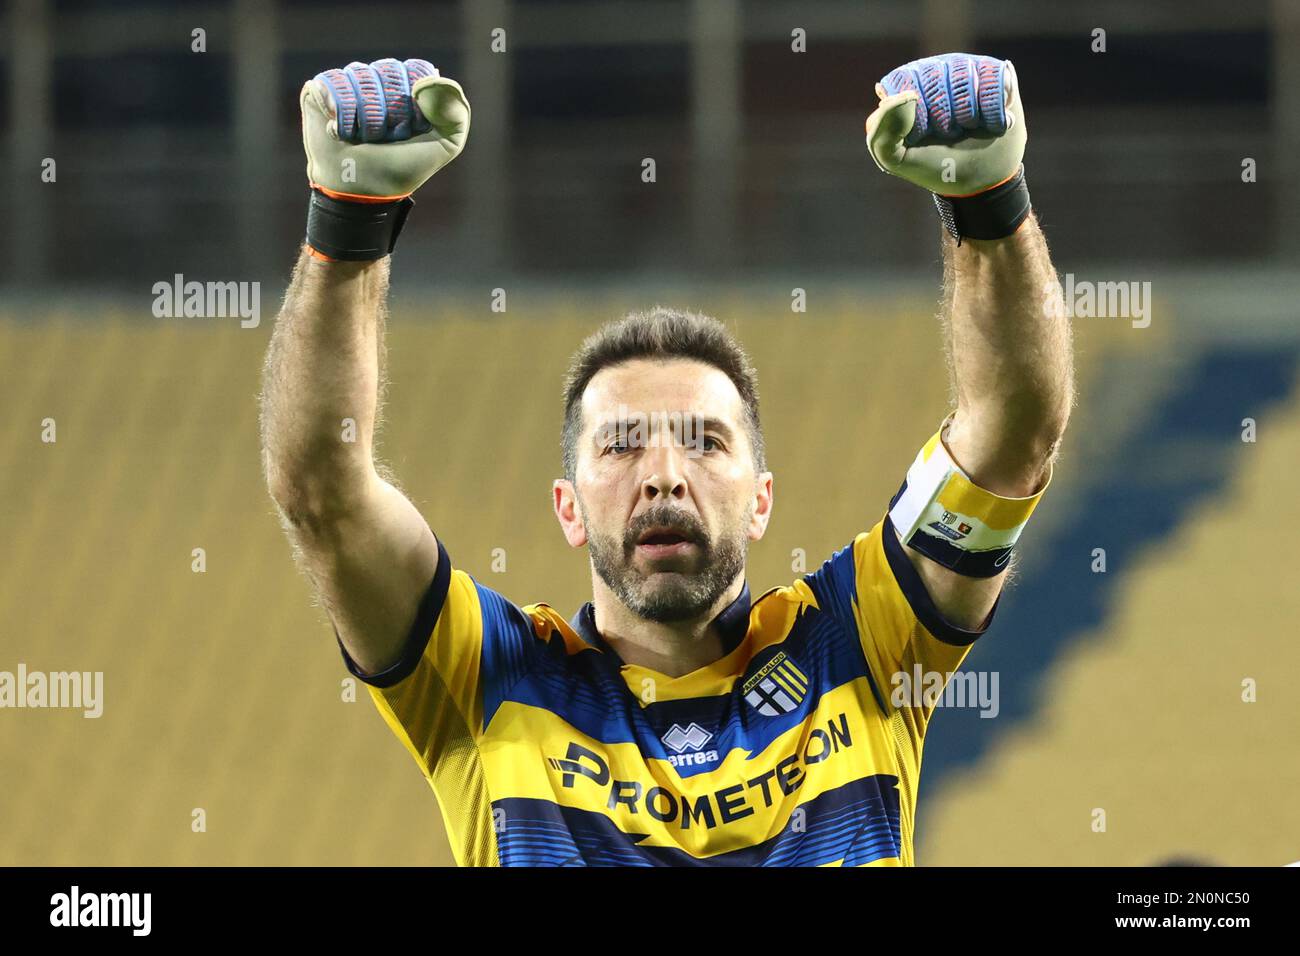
(675, 719)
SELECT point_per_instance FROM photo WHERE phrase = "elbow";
(299, 506)
(1041, 442)
(1038, 432)
(1011, 445)
(1032, 419)
(310, 499)
(1045, 429)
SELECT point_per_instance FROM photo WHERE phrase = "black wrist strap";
(355, 231)
(993, 214)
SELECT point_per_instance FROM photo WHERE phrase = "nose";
(664, 478)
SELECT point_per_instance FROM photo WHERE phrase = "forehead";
(668, 385)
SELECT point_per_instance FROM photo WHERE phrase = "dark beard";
(688, 595)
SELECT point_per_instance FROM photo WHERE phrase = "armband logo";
(943, 526)
(944, 530)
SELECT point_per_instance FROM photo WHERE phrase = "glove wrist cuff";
(354, 231)
(993, 214)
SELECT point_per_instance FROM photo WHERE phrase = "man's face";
(666, 494)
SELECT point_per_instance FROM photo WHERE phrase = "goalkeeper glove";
(953, 124)
(373, 135)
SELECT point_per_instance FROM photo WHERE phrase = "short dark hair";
(660, 333)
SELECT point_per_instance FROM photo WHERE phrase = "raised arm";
(364, 546)
(1011, 359)
(955, 125)
(1012, 371)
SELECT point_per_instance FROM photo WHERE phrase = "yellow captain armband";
(940, 512)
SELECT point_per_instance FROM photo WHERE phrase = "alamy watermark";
(179, 299)
(922, 688)
(652, 430)
(72, 690)
(1085, 299)
(75, 908)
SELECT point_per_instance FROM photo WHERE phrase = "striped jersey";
(543, 748)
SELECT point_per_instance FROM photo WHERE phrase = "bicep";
(371, 565)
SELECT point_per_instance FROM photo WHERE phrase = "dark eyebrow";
(708, 422)
(720, 426)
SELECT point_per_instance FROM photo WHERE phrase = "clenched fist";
(954, 124)
(374, 133)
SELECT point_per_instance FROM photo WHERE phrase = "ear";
(762, 512)
(567, 513)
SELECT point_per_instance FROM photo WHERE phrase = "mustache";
(676, 520)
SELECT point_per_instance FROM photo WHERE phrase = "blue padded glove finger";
(958, 93)
(953, 124)
(373, 102)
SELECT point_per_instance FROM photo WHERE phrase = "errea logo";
(681, 739)
(686, 743)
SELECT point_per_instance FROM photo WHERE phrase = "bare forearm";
(1012, 360)
(321, 382)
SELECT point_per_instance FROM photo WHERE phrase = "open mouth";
(664, 543)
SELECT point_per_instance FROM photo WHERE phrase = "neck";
(671, 649)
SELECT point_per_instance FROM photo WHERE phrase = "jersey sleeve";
(872, 589)
(466, 645)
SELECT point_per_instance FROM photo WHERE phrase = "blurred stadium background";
(223, 690)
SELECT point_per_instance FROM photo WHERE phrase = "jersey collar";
(732, 623)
